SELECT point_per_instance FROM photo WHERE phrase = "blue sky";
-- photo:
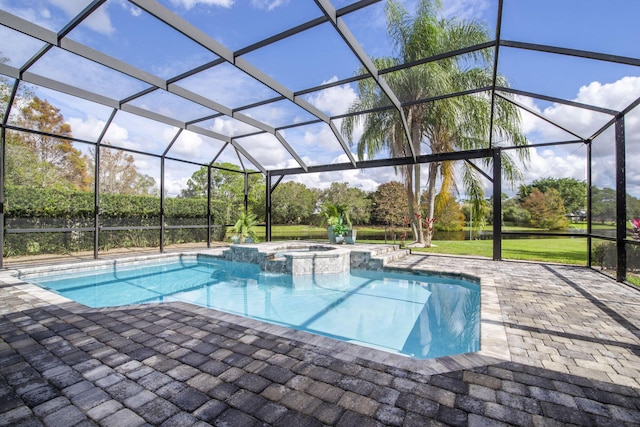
(127, 33)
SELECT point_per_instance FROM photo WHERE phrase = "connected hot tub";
(295, 258)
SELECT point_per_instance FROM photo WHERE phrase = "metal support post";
(268, 206)
(589, 199)
(497, 204)
(96, 203)
(621, 201)
(209, 219)
(3, 152)
(162, 231)
(246, 193)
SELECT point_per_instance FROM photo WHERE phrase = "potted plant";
(335, 214)
(245, 229)
(340, 230)
(350, 237)
(338, 214)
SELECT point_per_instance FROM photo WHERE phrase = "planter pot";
(350, 238)
(339, 239)
(332, 236)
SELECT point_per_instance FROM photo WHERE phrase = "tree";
(546, 209)
(57, 162)
(514, 214)
(356, 200)
(256, 196)
(633, 206)
(454, 123)
(24, 92)
(196, 185)
(603, 204)
(227, 191)
(390, 203)
(118, 173)
(292, 203)
(572, 191)
(19, 163)
(449, 215)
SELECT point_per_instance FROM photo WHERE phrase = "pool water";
(411, 314)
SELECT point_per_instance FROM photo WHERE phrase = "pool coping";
(494, 347)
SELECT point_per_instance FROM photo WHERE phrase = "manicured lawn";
(594, 226)
(557, 250)
(566, 251)
(633, 279)
(560, 250)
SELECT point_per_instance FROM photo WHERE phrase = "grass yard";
(556, 250)
(565, 251)
(560, 250)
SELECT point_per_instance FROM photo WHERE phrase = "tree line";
(39, 159)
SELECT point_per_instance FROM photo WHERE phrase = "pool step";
(378, 262)
(376, 257)
(275, 265)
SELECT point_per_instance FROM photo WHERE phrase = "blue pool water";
(416, 315)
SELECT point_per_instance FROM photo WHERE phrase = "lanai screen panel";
(632, 132)
(289, 70)
(114, 30)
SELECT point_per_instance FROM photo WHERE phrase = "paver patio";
(570, 356)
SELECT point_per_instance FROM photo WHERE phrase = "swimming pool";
(411, 314)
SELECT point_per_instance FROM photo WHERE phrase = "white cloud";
(355, 177)
(231, 127)
(268, 4)
(317, 142)
(570, 161)
(118, 136)
(366, 180)
(617, 95)
(465, 9)
(173, 187)
(334, 100)
(266, 150)
(190, 143)
(68, 68)
(17, 47)
(529, 122)
(70, 7)
(88, 129)
(100, 21)
(188, 4)
(176, 177)
(324, 138)
(550, 162)
(227, 85)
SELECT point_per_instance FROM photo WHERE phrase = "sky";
(122, 30)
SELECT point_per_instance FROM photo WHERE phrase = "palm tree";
(445, 125)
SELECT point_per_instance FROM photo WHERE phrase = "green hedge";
(38, 208)
(604, 256)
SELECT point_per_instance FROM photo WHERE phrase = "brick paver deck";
(570, 355)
